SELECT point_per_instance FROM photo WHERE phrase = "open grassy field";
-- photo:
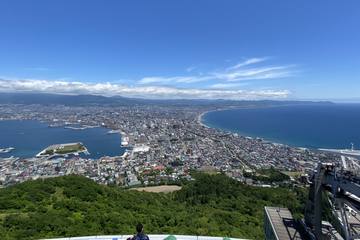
(158, 189)
(293, 174)
(63, 149)
(70, 148)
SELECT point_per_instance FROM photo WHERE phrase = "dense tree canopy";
(74, 206)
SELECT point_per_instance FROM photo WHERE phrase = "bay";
(29, 137)
(313, 126)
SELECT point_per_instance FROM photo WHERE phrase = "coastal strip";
(349, 152)
(199, 119)
(202, 114)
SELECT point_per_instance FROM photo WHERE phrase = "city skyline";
(191, 50)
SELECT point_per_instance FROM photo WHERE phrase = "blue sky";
(182, 49)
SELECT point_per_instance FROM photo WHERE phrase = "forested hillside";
(74, 205)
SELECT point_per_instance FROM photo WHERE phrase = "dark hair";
(139, 227)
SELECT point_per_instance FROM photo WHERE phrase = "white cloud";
(110, 89)
(179, 79)
(256, 73)
(248, 62)
(223, 83)
(243, 71)
(228, 85)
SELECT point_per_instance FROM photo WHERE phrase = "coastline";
(45, 126)
(200, 120)
(349, 152)
(200, 116)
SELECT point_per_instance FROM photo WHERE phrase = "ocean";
(312, 126)
(30, 137)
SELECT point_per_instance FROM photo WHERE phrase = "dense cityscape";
(179, 120)
(163, 144)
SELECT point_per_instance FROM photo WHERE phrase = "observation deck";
(151, 237)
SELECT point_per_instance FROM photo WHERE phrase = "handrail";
(151, 236)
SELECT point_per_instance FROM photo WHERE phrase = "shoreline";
(199, 119)
(348, 152)
(122, 147)
(200, 116)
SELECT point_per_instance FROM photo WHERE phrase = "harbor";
(27, 138)
(124, 138)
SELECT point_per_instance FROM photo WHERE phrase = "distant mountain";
(81, 100)
(43, 98)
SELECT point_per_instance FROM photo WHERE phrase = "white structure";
(152, 237)
(141, 148)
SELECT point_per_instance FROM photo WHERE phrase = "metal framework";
(343, 187)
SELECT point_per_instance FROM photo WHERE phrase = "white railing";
(152, 237)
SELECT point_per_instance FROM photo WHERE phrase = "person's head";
(139, 228)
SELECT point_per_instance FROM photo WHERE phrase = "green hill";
(73, 206)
